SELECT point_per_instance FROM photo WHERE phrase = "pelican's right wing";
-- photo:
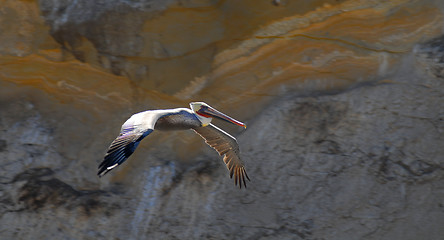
(226, 145)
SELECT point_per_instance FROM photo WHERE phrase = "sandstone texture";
(344, 102)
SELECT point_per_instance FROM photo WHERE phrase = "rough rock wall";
(344, 102)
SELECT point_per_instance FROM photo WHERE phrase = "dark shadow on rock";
(43, 190)
(3, 145)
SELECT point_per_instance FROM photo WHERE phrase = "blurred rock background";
(344, 102)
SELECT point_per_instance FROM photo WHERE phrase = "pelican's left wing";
(121, 148)
(226, 145)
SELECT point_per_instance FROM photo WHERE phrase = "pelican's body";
(197, 118)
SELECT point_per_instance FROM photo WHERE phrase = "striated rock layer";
(344, 102)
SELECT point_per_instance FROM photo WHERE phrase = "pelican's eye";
(202, 111)
(203, 108)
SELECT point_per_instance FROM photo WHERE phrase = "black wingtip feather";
(239, 177)
(120, 149)
(246, 175)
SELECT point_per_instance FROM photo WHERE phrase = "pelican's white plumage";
(198, 118)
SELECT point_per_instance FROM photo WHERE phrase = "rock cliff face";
(344, 102)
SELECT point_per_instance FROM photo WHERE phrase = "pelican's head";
(205, 113)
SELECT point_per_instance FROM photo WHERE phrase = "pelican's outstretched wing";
(121, 148)
(226, 145)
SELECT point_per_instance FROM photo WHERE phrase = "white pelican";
(198, 118)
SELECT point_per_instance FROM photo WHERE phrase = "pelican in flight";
(198, 118)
